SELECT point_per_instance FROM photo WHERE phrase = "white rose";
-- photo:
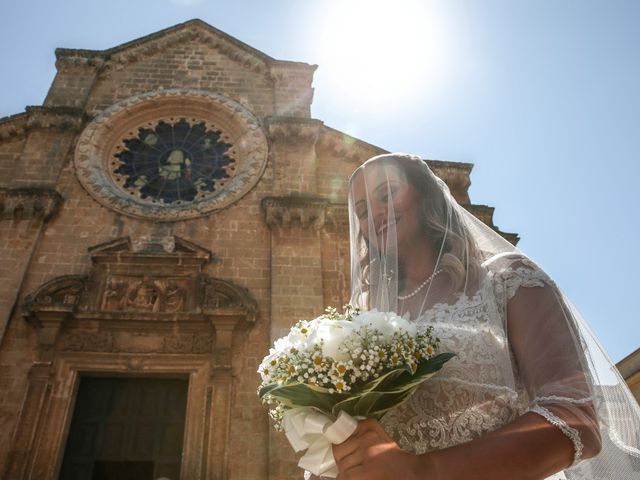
(387, 323)
(312, 334)
(334, 333)
(281, 345)
(297, 339)
(378, 321)
(400, 323)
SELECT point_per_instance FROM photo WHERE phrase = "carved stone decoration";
(87, 341)
(61, 294)
(220, 296)
(102, 149)
(144, 294)
(49, 307)
(62, 118)
(26, 203)
(294, 130)
(147, 284)
(91, 341)
(202, 343)
(295, 210)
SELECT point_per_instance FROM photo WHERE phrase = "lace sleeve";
(515, 271)
(570, 432)
(548, 352)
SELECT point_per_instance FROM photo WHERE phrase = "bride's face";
(387, 185)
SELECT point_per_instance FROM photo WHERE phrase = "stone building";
(629, 368)
(167, 212)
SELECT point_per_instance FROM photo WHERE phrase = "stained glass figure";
(174, 162)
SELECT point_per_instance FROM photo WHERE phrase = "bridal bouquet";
(339, 366)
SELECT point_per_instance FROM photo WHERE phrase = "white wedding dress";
(479, 390)
(520, 345)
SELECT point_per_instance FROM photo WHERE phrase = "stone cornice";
(121, 58)
(156, 251)
(457, 177)
(26, 203)
(484, 213)
(351, 149)
(121, 55)
(629, 365)
(68, 58)
(293, 129)
(307, 212)
(62, 118)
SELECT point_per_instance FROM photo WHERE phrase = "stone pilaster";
(293, 154)
(34, 408)
(296, 275)
(23, 212)
(296, 287)
(77, 73)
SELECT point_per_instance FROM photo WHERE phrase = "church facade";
(169, 211)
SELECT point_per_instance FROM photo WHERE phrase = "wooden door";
(126, 428)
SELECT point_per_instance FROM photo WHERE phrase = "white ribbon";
(308, 428)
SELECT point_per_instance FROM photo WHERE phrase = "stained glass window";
(173, 162)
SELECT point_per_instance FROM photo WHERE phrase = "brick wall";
(10, 152)
(292, 271)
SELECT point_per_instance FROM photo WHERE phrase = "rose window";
(171, 155)
(173, 162)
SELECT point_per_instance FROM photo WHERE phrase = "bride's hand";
(372, 455)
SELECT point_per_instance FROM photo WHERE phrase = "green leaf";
(372, 399)
(298, 394)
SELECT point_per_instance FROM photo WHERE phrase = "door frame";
(51, 437)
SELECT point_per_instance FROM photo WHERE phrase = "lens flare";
(377, 54)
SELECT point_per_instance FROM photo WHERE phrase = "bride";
(529, 394)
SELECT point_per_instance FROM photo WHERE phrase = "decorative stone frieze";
(295, 210)
(145, 301)
(348, 148)
(13, 126)
(66, 58)
(26, 203)
(61, 118)
(294, 131)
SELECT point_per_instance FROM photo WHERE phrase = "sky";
(542, 96)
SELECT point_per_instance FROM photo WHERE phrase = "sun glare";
(381, 53)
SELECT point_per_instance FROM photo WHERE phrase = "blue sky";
(542, 96)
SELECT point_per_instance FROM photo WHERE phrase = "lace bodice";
(478, 390)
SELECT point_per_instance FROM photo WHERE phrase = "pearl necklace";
(421, 286)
